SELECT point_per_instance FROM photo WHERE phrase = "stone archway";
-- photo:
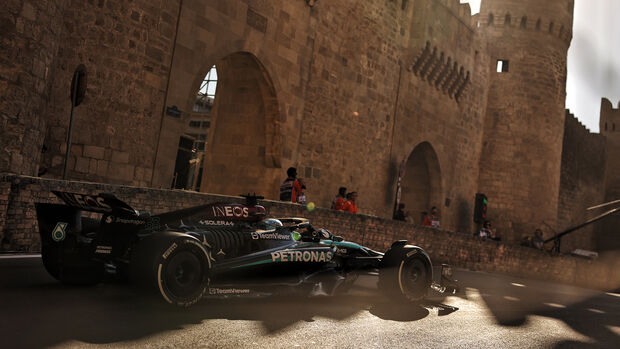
(244, 146)
(421, 188)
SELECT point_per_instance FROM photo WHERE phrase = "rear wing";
(101, 203)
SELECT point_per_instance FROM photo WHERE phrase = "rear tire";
(177, 265)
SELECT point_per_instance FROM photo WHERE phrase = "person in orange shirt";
(290, 188)
(432, 220)
(350, 205)
(338, 201)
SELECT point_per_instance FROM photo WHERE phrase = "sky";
(593, 58)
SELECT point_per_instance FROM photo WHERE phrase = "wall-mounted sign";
(173, 111)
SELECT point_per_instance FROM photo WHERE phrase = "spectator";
(338, 201)
(350, 205)
(432, 219)
(537, 240)
(301, 197)
(400, 214)
(487, 232)
(290, 188)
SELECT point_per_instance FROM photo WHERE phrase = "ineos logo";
(230, 211)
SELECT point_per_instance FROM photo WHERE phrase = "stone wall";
(581, 185)
(440, 106)
(29, 40)
(343, 90)
(460, 250)
(126, 48)
(521, 153)
(609, 238)
(5, 190)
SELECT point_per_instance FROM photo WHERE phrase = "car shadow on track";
(513, 300)
(38, 312)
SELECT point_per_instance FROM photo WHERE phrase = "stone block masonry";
(19, 231)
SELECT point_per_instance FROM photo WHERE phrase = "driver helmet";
(270, 224)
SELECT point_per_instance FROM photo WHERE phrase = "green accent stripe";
(345, 244)
(253, 263)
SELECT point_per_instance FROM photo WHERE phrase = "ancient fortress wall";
(609, 235)
(262, 50)
(348, 117)
(344, 90)
(29, 43)
(521, 153)
(610, 128)
(581, 185)
(126, 49)
(440, 114)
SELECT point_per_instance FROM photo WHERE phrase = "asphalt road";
(491, 311)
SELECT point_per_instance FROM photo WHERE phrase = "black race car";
(218, 250)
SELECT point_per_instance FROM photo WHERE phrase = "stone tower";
(520, 161)
(608, 238)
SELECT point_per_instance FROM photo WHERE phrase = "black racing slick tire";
(177, 265)
(183, 272)
(406, 274)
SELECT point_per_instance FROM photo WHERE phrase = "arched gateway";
(421, 188)
(244, 147)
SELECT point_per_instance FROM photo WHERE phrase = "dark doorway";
(422, 182)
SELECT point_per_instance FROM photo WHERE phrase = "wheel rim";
(183, 275)
(413, 279)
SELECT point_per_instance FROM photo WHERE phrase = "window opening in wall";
(551, 27)
(508, 20)
(194, 123)
(502, 66)
(538, 24)
(490, 18)
(524, 22)
(206, 94)
(613, 127)
(605, 126)
(404, 5)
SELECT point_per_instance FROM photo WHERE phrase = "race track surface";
(490, 311)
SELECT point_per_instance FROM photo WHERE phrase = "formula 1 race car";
(218, 250)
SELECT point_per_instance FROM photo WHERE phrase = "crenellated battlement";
(610, 118)
(571, 119)
(461, 11)
(523, 22)
(440, 71)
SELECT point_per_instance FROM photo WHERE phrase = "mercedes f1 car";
(218, 250)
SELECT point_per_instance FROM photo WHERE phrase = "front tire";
(406, 274)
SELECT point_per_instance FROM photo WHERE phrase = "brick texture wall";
(343, 90)
(522, 145)
(581, 184)
(609, 238)
(29, 33)
(126, 48)
(460, 250)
